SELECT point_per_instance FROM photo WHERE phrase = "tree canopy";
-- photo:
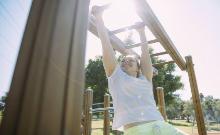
(96, 79)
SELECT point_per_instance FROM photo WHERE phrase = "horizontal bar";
(103, 109)
(163, 63)
(157, 54)
(140, 44)
(135, 26)
(98, 104)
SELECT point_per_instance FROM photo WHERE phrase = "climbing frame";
(150, 20)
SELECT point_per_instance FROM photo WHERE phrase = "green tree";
(211, 108)
(96, 79)
(168, 80)
(217, 110)
(175, 110)
(2, 102)
(189, 110)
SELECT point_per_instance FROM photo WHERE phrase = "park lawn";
(97, 127)
(180, 124)
(188, 128)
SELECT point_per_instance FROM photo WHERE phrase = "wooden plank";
(161, 102)
(195, 96)
(135, 26)
(149, 18)
(158, 54)
(29, 117)
(76, 73)
(106, 130)
(140, 44)
(164, 63)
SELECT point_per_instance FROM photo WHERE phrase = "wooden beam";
(161, 102)
(46, 92)
(153, 41)
(140, 44)
(106, 123)
(164, 63)
(87, 111)
(195, 96)
(135, 26)
(158, 54)
(149, 18)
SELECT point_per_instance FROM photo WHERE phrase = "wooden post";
(195, 96)
(106, 115)
(46, 92)
(87, 121)
(161, 102)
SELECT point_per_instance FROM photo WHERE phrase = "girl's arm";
(109, 60)
(145, 60)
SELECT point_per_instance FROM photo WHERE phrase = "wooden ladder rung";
(140, 44)
(157, 54)
(163, 63)
(135, 26)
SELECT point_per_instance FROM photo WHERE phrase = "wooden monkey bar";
(158, 54)
(140, 44)
(157, 30)
(135, 26)
(148, 17)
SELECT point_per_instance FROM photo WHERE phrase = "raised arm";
(145, 60)
(109, 60)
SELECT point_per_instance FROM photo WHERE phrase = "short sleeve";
(116, 73)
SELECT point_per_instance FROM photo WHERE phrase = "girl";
(130, 85)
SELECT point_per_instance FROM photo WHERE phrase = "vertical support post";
(46, 92)
(195, 96)
(106, 115)
(161, 102)
(87, 122)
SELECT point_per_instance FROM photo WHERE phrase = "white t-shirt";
(133, 99)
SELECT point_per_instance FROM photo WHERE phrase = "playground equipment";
(46, 93)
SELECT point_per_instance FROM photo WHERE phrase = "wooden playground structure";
(46, 94)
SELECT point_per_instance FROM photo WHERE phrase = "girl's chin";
(123, 68)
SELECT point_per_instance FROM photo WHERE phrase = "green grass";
(180, 124)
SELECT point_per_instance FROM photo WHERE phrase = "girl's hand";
(98, 10)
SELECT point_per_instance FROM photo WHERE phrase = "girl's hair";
(137, 61)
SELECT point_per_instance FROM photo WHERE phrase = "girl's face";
(129, 64)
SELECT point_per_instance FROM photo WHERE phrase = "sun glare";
(120, 13)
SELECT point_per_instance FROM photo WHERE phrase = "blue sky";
(193, 26)
(13, 16)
